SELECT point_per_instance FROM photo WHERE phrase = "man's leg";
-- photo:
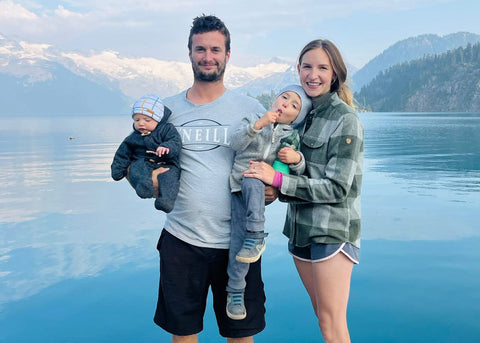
(183, 286)
(240, 340)
(185, 339)
(254, 297)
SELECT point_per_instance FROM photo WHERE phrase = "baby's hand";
(289, 156)
(161, 150)
(267, 119)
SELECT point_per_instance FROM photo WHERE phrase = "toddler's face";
(289, 104)
(144, 123)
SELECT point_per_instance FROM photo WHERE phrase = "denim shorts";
(318, 252)
(186, 274)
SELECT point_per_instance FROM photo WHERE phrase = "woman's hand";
(265, 173)
(289, 156)
(261, 171)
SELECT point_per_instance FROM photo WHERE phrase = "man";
(194, 243)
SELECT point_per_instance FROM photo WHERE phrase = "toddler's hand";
(161, 150)
(289, 156)
(267, 119)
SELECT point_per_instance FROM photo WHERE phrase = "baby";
(143, 156)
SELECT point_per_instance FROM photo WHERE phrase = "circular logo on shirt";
(203, 135)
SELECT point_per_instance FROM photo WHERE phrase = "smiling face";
(316, 72)
(289, 104)
(209, 56)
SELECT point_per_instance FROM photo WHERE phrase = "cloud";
(249, 15)
(61, 12)
(10, 11)
(159, 28)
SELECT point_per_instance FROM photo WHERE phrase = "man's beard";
(208, 77)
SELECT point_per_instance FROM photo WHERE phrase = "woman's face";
(316, 72)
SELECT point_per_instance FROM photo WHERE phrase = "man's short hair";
(208, 23)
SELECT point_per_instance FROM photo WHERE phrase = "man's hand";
(271, 194)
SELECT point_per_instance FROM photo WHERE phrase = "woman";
(323, 216)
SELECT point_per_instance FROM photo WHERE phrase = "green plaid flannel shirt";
(324, 202)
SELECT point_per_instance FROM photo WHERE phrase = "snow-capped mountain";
(274, 82)
(40, 73)
(33, 80)
(136, 76)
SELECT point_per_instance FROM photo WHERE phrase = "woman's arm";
(329, 180)
(324, 184)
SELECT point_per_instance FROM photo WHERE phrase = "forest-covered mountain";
(443, 82)
(411, 49)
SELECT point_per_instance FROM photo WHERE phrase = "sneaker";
(236, 306)
(252, 248)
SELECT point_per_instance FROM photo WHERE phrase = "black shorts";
(186, 273)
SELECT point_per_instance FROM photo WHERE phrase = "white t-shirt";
(201, 215)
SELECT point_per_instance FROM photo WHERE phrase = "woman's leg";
(328, 284)
(305, 270)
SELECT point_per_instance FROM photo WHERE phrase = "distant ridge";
(130, 76)
(38, 78)
(445, 82)
(411, 49)
(58, 92)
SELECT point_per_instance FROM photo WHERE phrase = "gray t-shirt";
(201, 215)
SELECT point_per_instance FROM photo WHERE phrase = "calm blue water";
(77, 251)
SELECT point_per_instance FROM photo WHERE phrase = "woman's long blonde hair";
(344, 92)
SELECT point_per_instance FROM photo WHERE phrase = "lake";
(78, 259)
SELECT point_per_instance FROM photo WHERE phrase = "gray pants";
(248, 213)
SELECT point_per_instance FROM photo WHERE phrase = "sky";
(260, 30)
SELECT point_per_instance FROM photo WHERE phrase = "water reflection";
(61, 216)
(434, 150)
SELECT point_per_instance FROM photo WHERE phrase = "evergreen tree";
(446, 82)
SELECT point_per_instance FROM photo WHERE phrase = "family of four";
(212, 158)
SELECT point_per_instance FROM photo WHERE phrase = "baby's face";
(289, 104)
(144, 123)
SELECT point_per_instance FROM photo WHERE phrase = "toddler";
(259, 138)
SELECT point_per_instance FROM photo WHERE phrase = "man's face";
(208, 56)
